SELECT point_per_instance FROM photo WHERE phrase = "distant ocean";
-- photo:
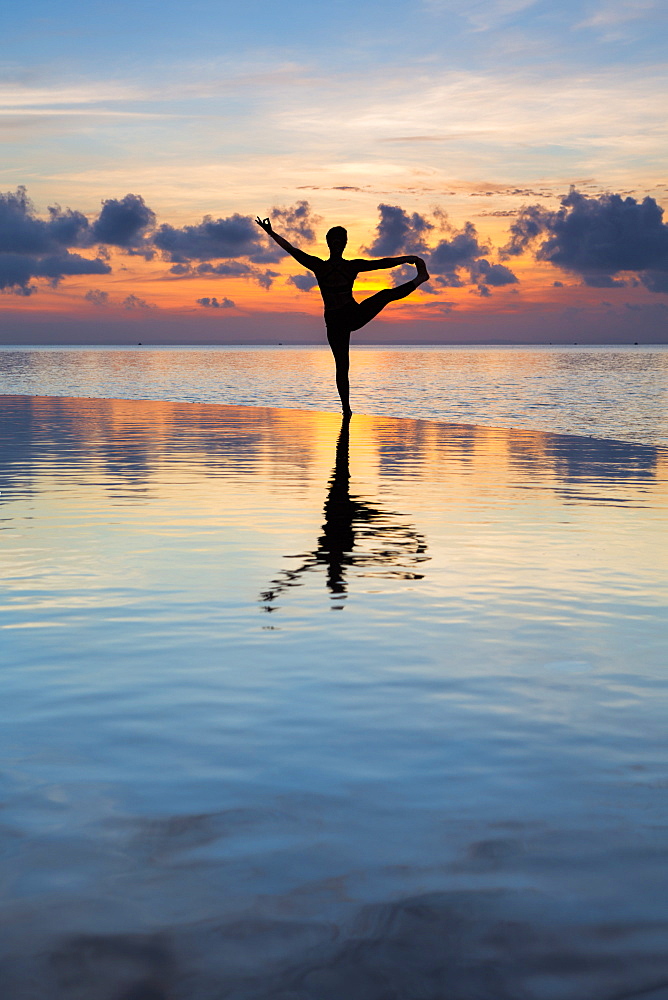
(604, 392)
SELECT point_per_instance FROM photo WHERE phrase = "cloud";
(97, 297)
(462, 250)
(443, 307)
(21, 231)
(296, 222)
(492, 274)
(213, 303)
(123, 223)
(265, 278)
(450, 259)
(31, 247)
(597, 238)
(132, 302)
(399, 233)
(603, 281)
(237, 270)
(18, 270)
(235, 236)
(304, 282)
(655, 281)
(59, 265)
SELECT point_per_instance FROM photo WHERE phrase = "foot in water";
(347, 414)
(422, 272)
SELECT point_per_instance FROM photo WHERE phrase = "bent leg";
(368, 308)
(339, 341)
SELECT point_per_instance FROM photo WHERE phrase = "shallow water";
(606, 392)
(289, 716)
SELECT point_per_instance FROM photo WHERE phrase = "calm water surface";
(294, 716)
(608, 392)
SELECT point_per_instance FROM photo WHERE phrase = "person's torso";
(336, 279)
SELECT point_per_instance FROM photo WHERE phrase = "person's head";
(337, 237)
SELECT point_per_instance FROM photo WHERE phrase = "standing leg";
(339, 341)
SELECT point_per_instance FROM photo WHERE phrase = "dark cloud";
(235, 236)
(67, 227)
(31, 247)
(500, 213)
(296, 222)
(399, 233)
(16, 273)
(458, 259)
(497, 189)
(215, 304)
(132, 302)
(265, 278)
(97, 297)
(655, 281)
(603, 281)
(22, 232)
(597, 238)
(237, 270)
(462, 250)
(336, 187)
(492, 274)
(448, 280)
(531, 223)
(440, 307)
(123, 223)
(18, 270)
(304, 282)
(59, 265)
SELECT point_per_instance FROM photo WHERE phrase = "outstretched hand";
(264, 224)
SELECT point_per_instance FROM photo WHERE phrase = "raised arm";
(378, 265)
(304, 258)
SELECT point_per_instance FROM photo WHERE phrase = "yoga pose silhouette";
(343, 314)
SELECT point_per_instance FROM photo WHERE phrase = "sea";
(615, 392)
(295, 708)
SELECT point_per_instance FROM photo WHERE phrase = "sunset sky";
(519, 146)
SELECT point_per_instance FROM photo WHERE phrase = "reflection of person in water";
(354, 535)
(336, 277)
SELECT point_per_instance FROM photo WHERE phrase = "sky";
(518, 145)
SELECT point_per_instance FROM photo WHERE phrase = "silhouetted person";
(336, 277)
(349, 522)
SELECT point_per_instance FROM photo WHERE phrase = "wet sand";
(292, 714)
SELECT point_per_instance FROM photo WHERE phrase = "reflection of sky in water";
(458, 776)
(606, 392)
